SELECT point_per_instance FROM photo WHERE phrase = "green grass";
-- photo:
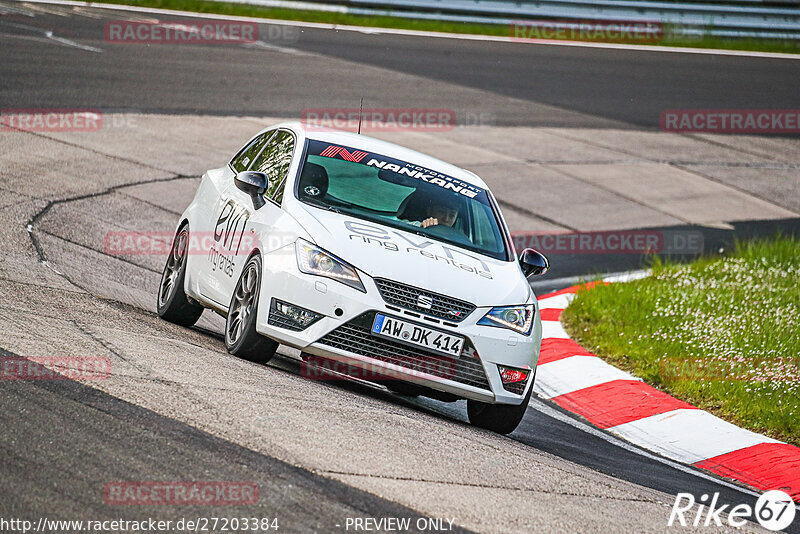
(201, 6)
(720, 333)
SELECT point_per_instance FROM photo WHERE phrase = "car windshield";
(401, 195)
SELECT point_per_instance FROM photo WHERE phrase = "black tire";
(241, 338)
(500, 418)
(172, 303)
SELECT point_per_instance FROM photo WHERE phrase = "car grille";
(282, 322)
(354, 336)
(517, 388)
(405, 296)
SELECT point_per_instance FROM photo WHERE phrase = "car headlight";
(314, 260)
(517, 318)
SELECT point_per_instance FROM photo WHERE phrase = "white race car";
(368, 255)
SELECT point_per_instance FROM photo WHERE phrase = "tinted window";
(401, 195)
(246, 156)
(274, 161)
(361, 188)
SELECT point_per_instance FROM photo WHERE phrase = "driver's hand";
(430, 221)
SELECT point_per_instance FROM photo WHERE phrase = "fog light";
(291, 317)
(514, 380)
(509, 375)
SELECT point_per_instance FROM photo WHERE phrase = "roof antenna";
(360, 108)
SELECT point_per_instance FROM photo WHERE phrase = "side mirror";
(533, 262)
(254, 184)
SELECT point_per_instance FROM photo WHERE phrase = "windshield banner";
(401, 168)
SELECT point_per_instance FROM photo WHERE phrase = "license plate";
(420, 336)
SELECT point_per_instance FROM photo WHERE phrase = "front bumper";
(341, 335)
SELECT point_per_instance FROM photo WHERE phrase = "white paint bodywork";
(278, 227)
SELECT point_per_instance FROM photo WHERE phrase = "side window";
(245, 157)
(274, 161)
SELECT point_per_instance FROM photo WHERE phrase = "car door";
(217, 265)
(236, 215)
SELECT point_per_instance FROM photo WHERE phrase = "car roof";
(385, 148)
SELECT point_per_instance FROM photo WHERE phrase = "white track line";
(558, 302)
(553, 330)
(418, 33)
(627, 277)
(575, 373)
(688, 436)
(68, 42)
(568, 281)
(49, 37)
(546, 409)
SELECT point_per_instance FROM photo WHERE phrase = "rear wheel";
(500, 418)
(241, 338)
(173, 305)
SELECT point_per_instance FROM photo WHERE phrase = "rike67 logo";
(774, 510)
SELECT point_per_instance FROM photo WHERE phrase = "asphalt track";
(95, 428)
(515, 85)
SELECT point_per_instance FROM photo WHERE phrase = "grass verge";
(720, 333)
(245, 10)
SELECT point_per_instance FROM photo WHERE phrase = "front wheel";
(241, 338)
(500, 418)
(173, 305)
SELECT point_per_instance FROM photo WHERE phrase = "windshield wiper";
(320, 205)
(343, 203)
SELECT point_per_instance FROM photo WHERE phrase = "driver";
(443, 212)
(440, 210)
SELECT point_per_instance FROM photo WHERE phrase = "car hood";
(385, 252)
